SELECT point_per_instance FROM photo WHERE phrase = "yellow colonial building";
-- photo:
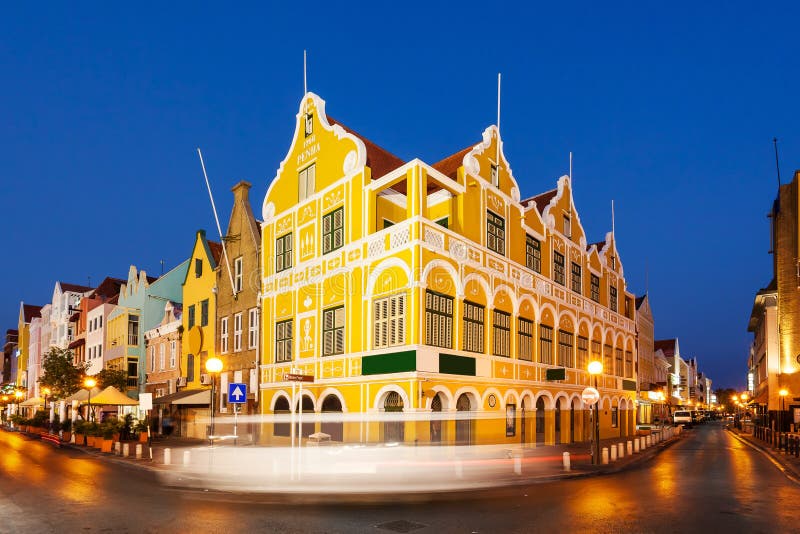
(437, 291)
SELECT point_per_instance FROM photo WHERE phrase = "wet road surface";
(707, 481)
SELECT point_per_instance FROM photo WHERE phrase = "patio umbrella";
(111, 396)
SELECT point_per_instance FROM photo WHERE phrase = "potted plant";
(66, 429)
(80, 432)
(92, 429)
(107, 430)
(141, 428)
(116, 427)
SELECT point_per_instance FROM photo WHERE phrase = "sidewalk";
(789, 463)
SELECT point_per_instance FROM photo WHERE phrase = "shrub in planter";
(66, 429)
(141, 428)
(80, 432)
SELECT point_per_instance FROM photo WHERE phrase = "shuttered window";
(558, 268)
(495, 233)
(618, 368)
(438, 320)
(525, 339)
(628, 364)
(608, 359)
(283, 253)
(473, 327)
(583, 353)
(306, 182)
(566, 341)
(612, 301)
(333, 230)
(595, 289)
(577, 280)
(501, 333)
(389, 321)
(283, 341)
(333, 331)
(545, 344)
(533, 253)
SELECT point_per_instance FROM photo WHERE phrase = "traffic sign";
(237, 393)
(590, 396)
(293, 377)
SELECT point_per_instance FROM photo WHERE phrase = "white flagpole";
(305, 78)
(216, 218)
(570, 167)
(497, 154)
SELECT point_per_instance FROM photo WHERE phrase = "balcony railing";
(133, 339)
(133, 382)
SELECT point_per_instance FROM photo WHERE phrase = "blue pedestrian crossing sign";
(237, 393)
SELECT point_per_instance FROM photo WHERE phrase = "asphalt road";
(708, 481)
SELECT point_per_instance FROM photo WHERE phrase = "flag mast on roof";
(305, 79)
(497, 152)
(613, 237)
(216, 218)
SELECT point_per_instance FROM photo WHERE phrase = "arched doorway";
(308, 420)
(539, 420)
(436, 423)
(463, 426)
(281, 409)
(394, 426)
(335, 429)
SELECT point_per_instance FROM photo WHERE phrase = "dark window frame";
(283, 252)
(577, 278)
(330, 234)
(501, 333)
(559, 268)
(495, 233)
(284, 340)
(533, 253)
(474, 329)
(438, 321)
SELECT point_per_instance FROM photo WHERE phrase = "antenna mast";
(777, 166)
(216, 218)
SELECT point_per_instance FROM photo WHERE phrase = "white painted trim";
(380, 397)
(331, 391)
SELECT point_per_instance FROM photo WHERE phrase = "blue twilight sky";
(670, 109)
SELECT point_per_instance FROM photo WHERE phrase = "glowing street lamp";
(90, 383)
(213, 366)
(596, 368)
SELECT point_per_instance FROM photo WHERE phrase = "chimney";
(241, 191)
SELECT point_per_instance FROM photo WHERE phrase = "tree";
(112, 377)
(725, 398)
(61, 374)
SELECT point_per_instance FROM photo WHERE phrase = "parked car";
(683, 417)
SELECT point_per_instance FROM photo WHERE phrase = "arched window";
(281, 408)
(436, 424)
(393, 428)
(335, 429)
(463, 426)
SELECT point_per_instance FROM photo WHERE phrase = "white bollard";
(613, 453)
(630, 447)
(605, 455)
(567, 461)
(620, 450)
(138, 451)
(187, 457)
(126, 449)
(642, 445)
(167, 456)
(635, 445)
(117, 447)
(518, 463)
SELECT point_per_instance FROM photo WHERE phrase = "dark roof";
(449, 165)
(600, 245)
(541, 200)
(29, 312)
(108, 287)
(381, 161)
(639, 300)
(74, 287)
(667, 346)
(216, 250)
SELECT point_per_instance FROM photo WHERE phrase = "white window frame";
(389, 319)
(306, 179)
(162, 355)
(239, 275)
(252, 328)
(237, 332)
(173, 353)
(223, 338)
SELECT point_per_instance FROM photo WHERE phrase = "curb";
(791, 471)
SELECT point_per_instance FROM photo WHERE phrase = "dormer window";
(309, 124)
(495, 176)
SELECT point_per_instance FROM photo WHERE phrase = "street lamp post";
(18, 396)
(90, 383)
(783, 392)
(213, 366)
(595, 368)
